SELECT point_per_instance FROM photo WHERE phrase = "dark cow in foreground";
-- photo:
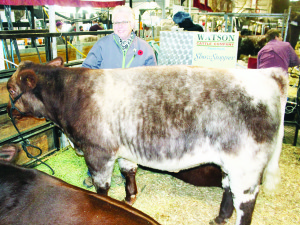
(28, 196)
(166, 118)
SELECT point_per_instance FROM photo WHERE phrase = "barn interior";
(27, 32)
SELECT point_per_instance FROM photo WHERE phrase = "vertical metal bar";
(56, 135)
(31, 24)
(109, 18)
(226, 25)
(140, 18)
(231, 22)
(287, 24)
(5, 45)
(298, 114)
(48, 49)
(66, 44)
(10, 27)
(296, 133)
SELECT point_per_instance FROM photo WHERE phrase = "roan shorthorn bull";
(169, 118)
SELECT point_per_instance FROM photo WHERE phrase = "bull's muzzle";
(12, 110)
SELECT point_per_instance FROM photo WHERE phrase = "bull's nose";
(14, 114)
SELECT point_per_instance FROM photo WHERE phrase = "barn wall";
(280, 6)
(252, 6)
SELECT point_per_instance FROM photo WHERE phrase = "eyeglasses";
(121, 23)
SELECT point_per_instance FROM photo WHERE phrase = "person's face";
(122, 25)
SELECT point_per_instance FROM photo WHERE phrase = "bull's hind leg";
(244, 205)
(226, 208)
(128, 170)
(244, 190)
(101, 167)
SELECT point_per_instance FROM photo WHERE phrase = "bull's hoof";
(130, 201)
(88, 182)
(79, 152)
(217, 222)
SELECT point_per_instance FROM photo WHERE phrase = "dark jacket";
(188, 25)
(95, 27)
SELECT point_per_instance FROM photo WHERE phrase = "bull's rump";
(154, 115)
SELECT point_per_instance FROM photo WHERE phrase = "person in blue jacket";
(184, 20)
(121, 49)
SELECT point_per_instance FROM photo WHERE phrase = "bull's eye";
(12, 92)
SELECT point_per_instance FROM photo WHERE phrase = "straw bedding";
(171, 201)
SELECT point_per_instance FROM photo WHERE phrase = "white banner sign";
(215, 50)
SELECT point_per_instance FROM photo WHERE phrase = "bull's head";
(20, 87)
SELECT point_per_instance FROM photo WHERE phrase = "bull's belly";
(192, 159)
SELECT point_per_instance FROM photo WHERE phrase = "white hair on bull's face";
(126, 10)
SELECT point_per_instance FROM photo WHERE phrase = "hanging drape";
(74, 3)
(202, 4)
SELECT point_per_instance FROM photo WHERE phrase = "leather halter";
(25, 143)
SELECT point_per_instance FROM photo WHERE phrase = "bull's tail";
(271, 176)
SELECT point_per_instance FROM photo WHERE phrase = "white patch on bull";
(207, 154)
(239, 198)
(258, 84)
(126, 165)
(225, 182)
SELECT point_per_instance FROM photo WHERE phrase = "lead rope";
(25, 143)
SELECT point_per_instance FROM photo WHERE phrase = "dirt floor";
(171, 201)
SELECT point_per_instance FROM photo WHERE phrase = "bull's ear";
(56, 62)
(27, 80)
(9, 152)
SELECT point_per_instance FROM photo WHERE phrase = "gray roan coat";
(168, 118)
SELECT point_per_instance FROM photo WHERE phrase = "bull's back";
(169, 112)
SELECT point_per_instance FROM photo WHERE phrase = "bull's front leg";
(128, 170)
(101, 166)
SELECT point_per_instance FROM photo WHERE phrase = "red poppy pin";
(140, 52)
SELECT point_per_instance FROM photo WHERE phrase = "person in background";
(121, 49)
(219, 28)
(95, 26)
(72, 29)
(184, 20)
(81, 28)
(59, 26)
(277, 53)
(101, 25)
(59, 40)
